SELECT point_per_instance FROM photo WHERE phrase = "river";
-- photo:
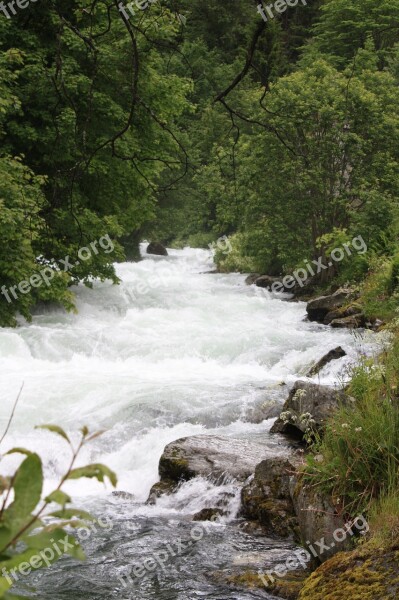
(174, 350)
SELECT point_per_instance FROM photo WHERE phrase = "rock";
(211, 456)
(348, 311)
(123, 495)
(157, 248)
(367, 573)
(252, 277)
(318, 520)
(266, 281)
(307, 288)
(352, 322)
(161, 488)
(287, 586)
(307, 408)
(268, 410)
(209, 514)
(319, 308)
(266, 497)
(335, 354)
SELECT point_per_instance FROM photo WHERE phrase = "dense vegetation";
(193, 120)
(189, 121)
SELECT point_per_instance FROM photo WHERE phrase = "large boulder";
(157, 248)
(307, 408)
(334, 354)
(212, 456)
(266, 497)
(320, 522)
(319, 308)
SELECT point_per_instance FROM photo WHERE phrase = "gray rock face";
(318, 521)
(157, 248)
(211, 456)
(307, 406)
(335, 354)
(352, 322)
(349, 311)
(209, 514)
(319, 308)
(267, 499)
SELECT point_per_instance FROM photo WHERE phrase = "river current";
(175, 350)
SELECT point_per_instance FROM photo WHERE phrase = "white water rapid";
(173, 351)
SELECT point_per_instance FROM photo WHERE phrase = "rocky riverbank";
(279, 502)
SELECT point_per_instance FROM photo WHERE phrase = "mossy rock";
(287, 587)
(366, 573)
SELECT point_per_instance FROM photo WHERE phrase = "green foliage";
(236, 259)
(23, 533)
(360, 448)
(87, 115)
(378, 296)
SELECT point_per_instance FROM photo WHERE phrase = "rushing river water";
(175, 350)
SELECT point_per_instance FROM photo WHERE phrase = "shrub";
(23, 534)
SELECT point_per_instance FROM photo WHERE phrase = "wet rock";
(318, 520)
(335, 354)
(346, 311)
(123, 495)
(252, 277)
(319, 308)
(209, 514)
(161, 488)
(307, 408)
(266, 497)
(266, 281)
(211, 456)
(288, 586)
(268, 410)
(352, 322)
(157, 248)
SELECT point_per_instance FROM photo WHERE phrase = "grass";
(360, 449)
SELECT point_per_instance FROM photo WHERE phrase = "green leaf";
(55, 429)
(96, 471)
(28, 485)
(19, 451)
(70, 513)
(4, 585)
(59, 497)
(57, 537)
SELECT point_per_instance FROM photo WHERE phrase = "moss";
(367, 573)
(287, 587)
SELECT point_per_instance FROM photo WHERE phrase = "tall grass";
(357, 461)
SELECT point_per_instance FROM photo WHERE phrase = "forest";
(184, 122)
